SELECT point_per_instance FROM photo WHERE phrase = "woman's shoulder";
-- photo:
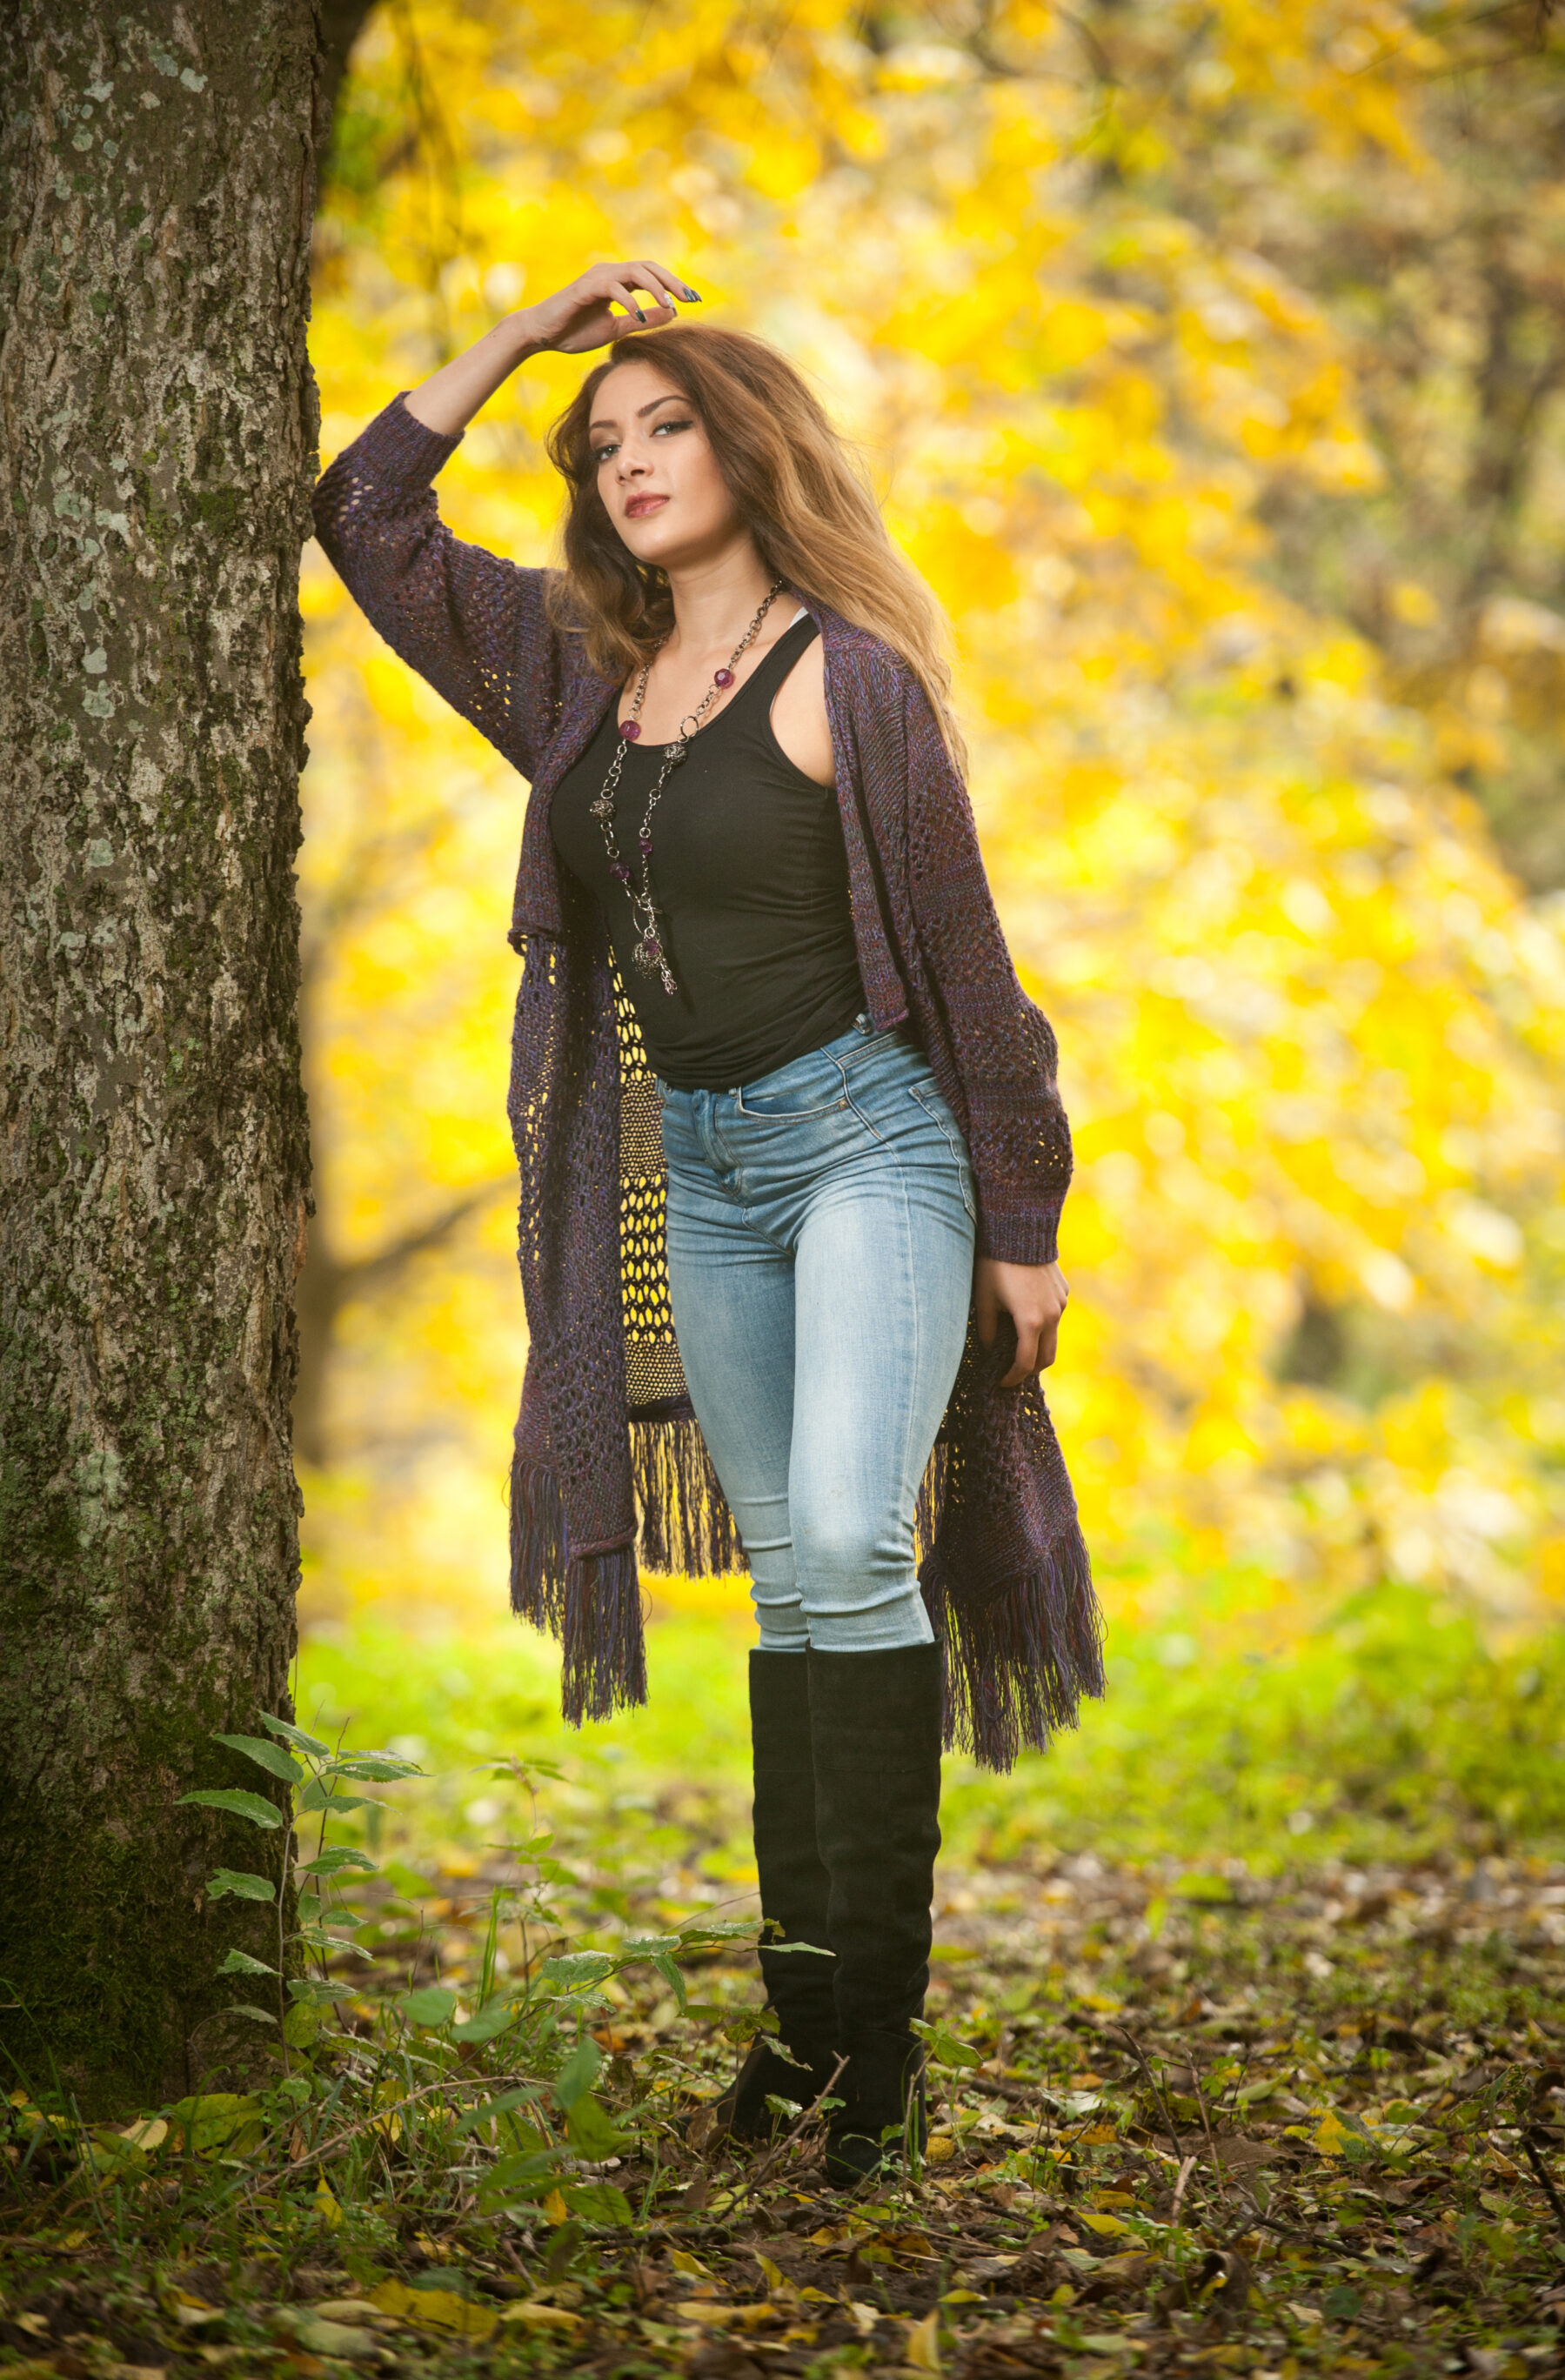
(864, 665)
(894, 723)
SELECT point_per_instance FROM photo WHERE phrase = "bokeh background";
(1210, 361)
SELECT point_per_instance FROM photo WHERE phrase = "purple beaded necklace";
(650, 954)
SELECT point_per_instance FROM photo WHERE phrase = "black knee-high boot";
(875, 1729)
(792, 1899)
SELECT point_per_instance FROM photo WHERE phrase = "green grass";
(1394, 1732)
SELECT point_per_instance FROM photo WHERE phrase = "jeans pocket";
(935, 1108)
(792, 1103)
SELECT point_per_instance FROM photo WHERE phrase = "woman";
(784, 1120)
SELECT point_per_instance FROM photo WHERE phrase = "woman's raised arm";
(477, 626)
(577, 318)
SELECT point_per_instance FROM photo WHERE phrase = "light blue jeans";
(820, 1235)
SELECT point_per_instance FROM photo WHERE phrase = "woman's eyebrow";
(672, 397)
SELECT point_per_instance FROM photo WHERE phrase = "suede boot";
(875, 1730)
(792, 1899)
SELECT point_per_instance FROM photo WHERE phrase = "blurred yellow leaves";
(1311, 1031)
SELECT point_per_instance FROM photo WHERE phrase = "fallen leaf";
(1128, 2265)
(319, 2337)
(703, 2124)
(923, 2350)
(1330, 2136)
(191, 2313)
(214, 2120)
(438, 2309)
(1248, 2156)
(906, 2243)
(542, 2317)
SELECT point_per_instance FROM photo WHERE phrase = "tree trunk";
(157, 171)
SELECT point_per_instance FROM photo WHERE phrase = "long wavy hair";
(799, 491)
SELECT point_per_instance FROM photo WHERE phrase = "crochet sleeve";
(471, 624)
(1018, 1136)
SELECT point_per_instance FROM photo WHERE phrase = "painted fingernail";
(694, 297)
(640, 315)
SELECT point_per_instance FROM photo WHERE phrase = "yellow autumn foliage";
(1312, 1030)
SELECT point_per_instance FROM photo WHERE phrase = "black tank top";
(751, 878)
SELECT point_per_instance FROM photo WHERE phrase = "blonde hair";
(797, 486)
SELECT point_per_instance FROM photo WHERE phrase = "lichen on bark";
(156, 437)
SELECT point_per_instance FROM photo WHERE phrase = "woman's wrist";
(522, 331)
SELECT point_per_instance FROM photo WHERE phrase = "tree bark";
(157, 173)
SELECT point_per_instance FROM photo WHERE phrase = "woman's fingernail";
(640, 315)
(694, 296)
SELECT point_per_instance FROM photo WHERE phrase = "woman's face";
(657, 475)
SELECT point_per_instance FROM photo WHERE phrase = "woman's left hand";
(1033, 1296)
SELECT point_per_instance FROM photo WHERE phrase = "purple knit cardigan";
(609, 1458)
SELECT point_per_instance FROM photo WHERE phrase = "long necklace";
(649, 953)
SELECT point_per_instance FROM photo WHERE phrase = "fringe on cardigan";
(687, 1529)
(1017, 1659)
(1018, 1663)
(591, 1602)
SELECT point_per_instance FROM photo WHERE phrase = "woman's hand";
(1033, 1296)
(581, 316)
(574, 319)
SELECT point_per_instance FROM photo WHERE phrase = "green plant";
(305, 1764)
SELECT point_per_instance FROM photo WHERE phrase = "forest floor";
(1222, 2107)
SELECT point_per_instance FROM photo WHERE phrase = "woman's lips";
(639, 507)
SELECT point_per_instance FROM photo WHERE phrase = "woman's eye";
(601, 454)
(661, 426)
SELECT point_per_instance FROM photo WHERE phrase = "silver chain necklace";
(650, 954)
